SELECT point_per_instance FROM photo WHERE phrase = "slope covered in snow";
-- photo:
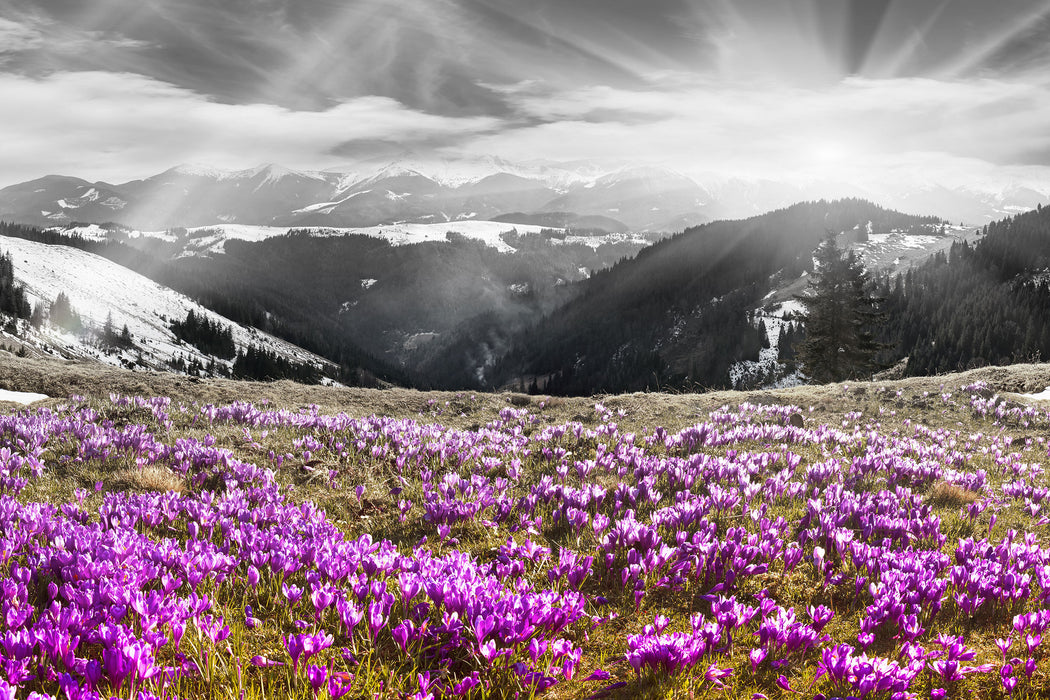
(768, 372)
(211, 240)
(98, 288)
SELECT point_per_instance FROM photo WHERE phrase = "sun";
(827, 153)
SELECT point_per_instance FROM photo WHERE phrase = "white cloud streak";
(109, 126)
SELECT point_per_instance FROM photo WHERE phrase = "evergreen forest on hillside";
(986, 304)
(679, 314)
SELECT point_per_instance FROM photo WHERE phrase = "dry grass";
(951, 496)
(61, 379)
(151, 478)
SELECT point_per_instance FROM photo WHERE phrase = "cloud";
(116, 126)
(777, 130)
(120, 88)
(429, 56)
(18, 36)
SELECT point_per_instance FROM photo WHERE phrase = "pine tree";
(63, 315)
(840, 320)
(37, 317)
(109, 336)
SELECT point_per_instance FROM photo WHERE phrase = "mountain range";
(582, 195)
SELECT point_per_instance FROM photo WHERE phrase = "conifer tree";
(109, 336)
(63, 315)
(840, 320)
(36, 319)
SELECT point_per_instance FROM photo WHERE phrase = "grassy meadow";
(168, 537)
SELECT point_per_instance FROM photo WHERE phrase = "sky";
(796, 90)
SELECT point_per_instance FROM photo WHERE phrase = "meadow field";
(166, 537)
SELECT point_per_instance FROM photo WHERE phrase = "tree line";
(210, 337)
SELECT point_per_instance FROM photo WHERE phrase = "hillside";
(101, 292)
(57, 379)
(980, 302)
(683, 312)
(480, 304)
(314, 551)
(409, 303)
(211, 240)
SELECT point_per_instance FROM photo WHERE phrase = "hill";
(107, 298)
(980, 302)
(683, 311)
(409, 303)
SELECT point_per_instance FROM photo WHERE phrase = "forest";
(986, 304)
(678, 315)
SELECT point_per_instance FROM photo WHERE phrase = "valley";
(487, 304)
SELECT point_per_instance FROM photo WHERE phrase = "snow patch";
(211, 240)
(792, 306)
(93, 232)
(327, 207)
(1043, 395)
(23, 397)
(596, 242)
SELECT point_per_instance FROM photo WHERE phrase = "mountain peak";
(273, 173)
(198, 170)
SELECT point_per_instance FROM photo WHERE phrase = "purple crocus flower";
(316, 675)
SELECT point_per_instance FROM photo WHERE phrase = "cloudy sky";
(791, 89)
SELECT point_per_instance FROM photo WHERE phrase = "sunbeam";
(829, 88)
(970, 60)
(890, 55)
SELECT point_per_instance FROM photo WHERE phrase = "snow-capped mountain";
(192, 196)
(367, 194)
(56, 198)
(416, 189)
(101, 290)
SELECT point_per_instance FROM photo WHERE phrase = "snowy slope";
(98, 287)
(211, 240)
(895, 252)
(747, 373)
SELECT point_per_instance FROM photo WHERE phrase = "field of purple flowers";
(150, 548)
